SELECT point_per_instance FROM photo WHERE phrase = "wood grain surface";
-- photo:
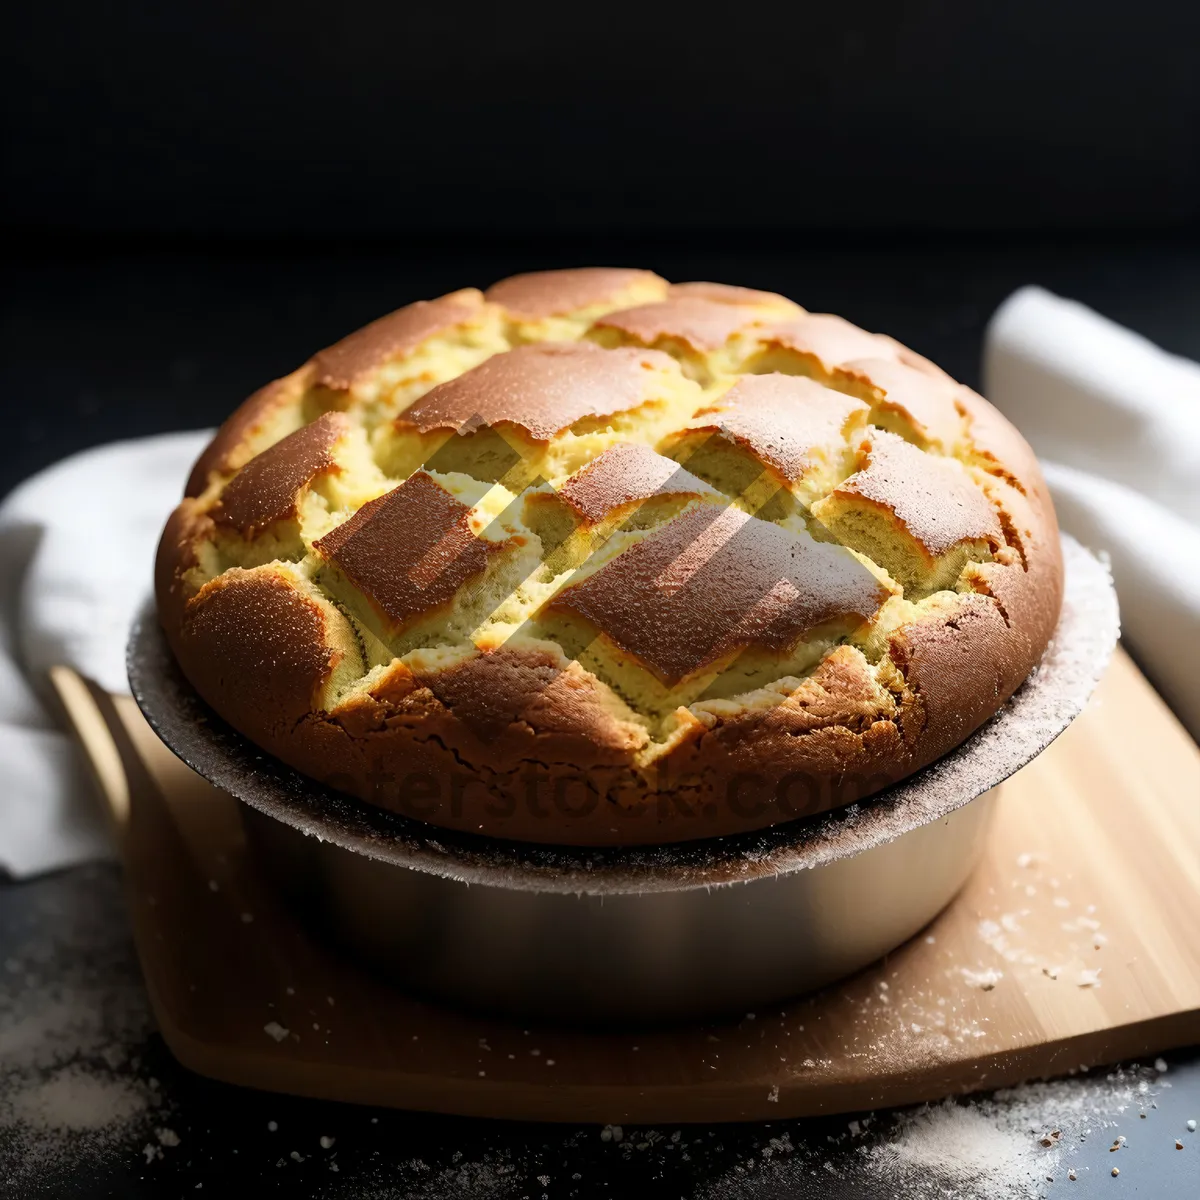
(1076, 942)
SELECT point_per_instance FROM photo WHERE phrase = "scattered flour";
(70, 1036)
(73, 1099)
(951, 1140)
(985, 978)
(999, 1143)
(1006, 1146)
(71, 1094)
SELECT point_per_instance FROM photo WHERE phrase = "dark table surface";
(104, 343)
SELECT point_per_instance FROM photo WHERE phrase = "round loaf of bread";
(592, 558)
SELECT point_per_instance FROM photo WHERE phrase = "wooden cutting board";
(1076, 942)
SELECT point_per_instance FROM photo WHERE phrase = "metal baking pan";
(644, 933)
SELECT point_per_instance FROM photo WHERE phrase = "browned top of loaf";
(780, 419)
(541, 389)
(237, 439)
(715, 579)
(274, 648)
(701, 324)
(408, 551)
(928, 403)
(541, 294)
(361, 625)
(265, 489)
(826, 340)
(727, 293)
(343, 364)
(494, 692)
(934, 499)
(625, 473)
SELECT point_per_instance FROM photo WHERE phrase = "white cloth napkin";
(1116, 423)
(1114, 417)
(76, 558)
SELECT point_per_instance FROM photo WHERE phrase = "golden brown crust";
(540, 294)
(821, 685)
(925, 404)
(934, 500)
(824, 341)
(541, 389)
(187, 529)
(727, 293)
(265, 490)
(259, 650)
(340, 366)
(1000, 449)
(699, 324)
(780, 419)
(408, 552)
(234, 443)
(910, 358)
(625, 474)
(715, 580)
(958, 672)
(533, 696)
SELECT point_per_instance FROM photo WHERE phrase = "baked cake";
(592, 558)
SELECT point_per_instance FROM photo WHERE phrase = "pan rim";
(1055, 692)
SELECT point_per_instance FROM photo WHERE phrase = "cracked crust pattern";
(596, 559)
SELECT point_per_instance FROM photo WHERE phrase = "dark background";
(409, 121)
(197, 197)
